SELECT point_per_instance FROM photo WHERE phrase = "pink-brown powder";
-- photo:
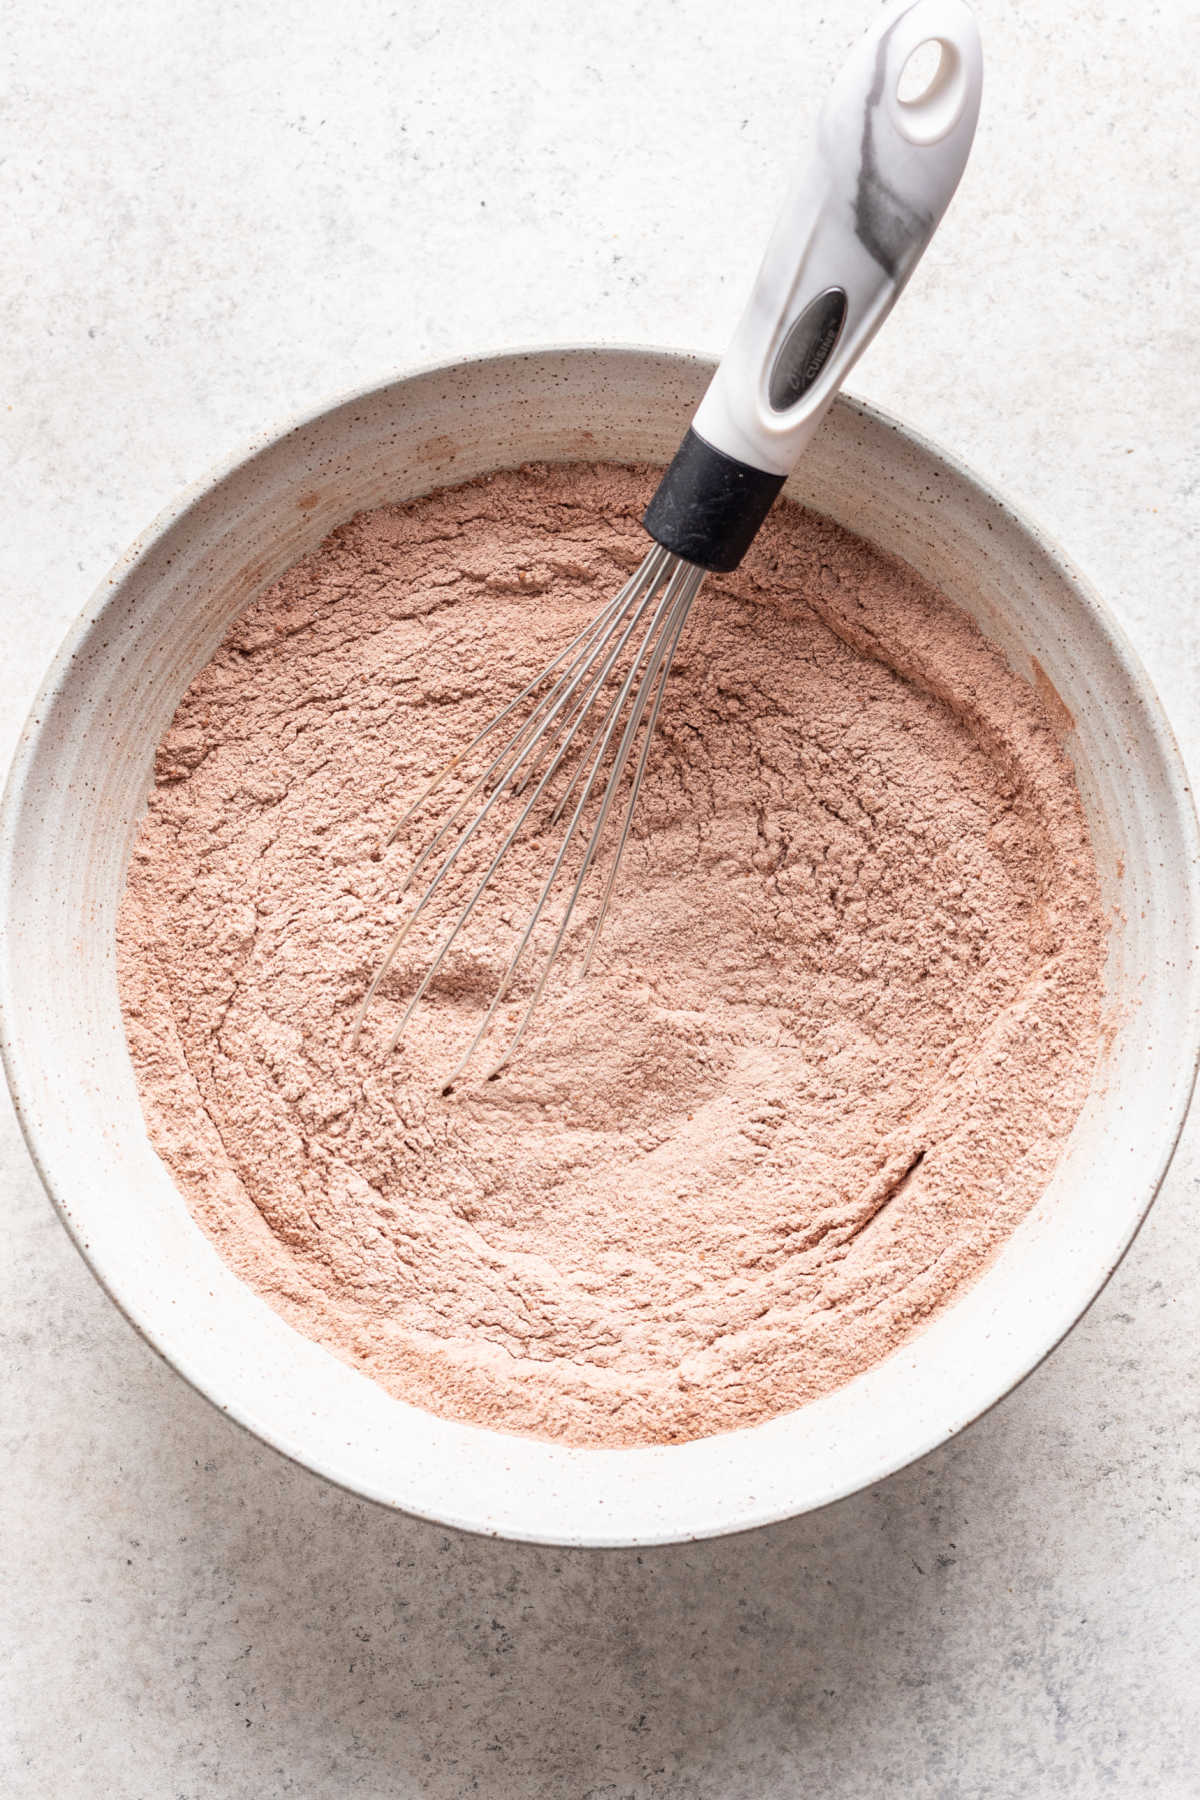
(842, 1020)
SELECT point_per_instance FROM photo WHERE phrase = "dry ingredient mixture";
(842, 1021)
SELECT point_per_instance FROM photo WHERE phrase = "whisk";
(569, 753)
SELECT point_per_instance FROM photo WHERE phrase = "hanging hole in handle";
(930, 91)
(920, 72)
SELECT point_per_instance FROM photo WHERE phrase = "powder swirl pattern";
(841, 1022)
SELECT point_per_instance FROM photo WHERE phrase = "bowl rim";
(143, 545)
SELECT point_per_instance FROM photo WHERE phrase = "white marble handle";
(881, 175)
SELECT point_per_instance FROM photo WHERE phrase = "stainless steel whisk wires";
(590, 705)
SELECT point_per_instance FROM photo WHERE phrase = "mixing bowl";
(79, 783)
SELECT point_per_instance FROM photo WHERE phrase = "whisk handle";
(881, 174)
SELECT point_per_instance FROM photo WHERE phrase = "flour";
(841, 1022)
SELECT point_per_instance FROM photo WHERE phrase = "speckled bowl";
(79, 783)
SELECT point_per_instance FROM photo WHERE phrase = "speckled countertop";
(214, 215)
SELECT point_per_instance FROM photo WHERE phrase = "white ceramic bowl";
(79, 784)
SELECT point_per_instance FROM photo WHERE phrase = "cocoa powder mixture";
(841, 1023)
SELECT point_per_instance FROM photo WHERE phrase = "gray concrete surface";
(213, 214)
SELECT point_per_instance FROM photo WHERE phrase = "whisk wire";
(511, 755)
(638, 592)
(607, 731)
(502, 852)
(638, 587)
(689, 582)
(682, 610)
(594, 628)
(588, 674)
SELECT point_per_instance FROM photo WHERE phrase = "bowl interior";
(78, 788)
